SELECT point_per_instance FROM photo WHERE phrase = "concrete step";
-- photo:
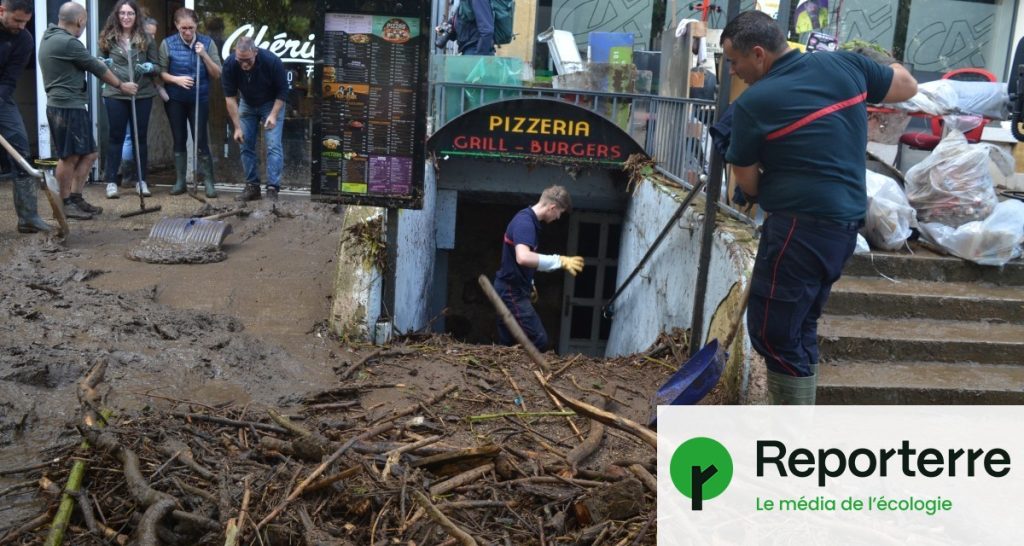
(866, 338)
(879, 297)
(860, 382)
(930, 267)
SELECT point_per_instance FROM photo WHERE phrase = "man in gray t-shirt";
(63, 62)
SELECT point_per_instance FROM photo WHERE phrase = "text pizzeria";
(538, 126)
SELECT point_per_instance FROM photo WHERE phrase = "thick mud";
(156, 251)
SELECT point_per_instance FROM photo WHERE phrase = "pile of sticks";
(446, 469)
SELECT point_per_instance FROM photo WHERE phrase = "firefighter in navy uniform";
(520, 260)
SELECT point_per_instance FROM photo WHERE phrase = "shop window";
(283, 28)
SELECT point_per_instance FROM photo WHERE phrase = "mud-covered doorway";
(480, 223)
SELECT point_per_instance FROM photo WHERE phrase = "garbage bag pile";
(951, 199)
(953, 185)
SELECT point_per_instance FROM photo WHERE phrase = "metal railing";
(673, 131)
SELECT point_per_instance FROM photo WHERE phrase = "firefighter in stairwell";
(520, 260)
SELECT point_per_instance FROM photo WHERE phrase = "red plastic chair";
(928, 141)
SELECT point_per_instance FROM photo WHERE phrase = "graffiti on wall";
(581, 17)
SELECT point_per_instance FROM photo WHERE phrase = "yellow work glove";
(534, 296)
(572, 264)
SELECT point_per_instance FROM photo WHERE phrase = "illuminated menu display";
(369, 120)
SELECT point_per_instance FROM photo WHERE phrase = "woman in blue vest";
(131, 55)
(178, 59)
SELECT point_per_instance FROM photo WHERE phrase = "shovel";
(49, 184)
(697, 376)
(208, 230)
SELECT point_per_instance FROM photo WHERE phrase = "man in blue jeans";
(255, 90)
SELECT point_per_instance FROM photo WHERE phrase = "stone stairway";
(923, 329)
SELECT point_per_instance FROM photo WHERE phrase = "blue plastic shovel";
(698, 375)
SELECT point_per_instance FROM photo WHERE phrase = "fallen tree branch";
(608, 418)
(463, 537)
(67, 501)
(586, 448)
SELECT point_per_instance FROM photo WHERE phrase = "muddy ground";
(246, 332)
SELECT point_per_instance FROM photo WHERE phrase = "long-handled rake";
(135, 144)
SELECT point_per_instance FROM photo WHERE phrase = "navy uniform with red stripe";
(514, 282)
(805, 123)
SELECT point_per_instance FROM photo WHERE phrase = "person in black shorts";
(63, 61)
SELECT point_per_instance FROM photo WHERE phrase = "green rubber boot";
(208, 180)
(25, 205)
(180, 171)
(787, 390)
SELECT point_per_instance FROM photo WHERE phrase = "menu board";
(371, 122)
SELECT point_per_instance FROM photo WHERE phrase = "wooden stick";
(320, 484)
(459, 480)
(231, 422)
(287, 423)
(235, 525)
(511, 324)
(488, 416)
(522, 401)
(463, 537)
(644, 476)
(608, 418)
(586, 448)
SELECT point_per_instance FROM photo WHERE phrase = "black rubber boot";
(25, 205)
(208, 180)
(180, 170)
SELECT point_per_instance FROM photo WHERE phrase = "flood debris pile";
(502, 454)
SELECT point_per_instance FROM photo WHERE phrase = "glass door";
(594, 236)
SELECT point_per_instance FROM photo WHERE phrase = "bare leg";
(82, 169)
(66, 174)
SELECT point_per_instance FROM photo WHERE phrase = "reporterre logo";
(701, 469)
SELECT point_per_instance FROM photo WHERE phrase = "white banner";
(840, 475)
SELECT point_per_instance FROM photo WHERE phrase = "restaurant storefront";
(933, 35)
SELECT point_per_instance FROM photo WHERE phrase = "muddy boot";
(180, 170)
(72, 210)
(250, 193)
(85, 205)
(208, 181)
(788, 390)
(25, 205)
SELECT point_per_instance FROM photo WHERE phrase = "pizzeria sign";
(538, 130)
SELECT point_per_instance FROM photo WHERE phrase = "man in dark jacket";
(255, 90)
(476, 37)
(15, 51)
(63, 62)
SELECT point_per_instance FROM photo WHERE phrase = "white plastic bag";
(993, 241)
(890, 215)
(989, 99)
(953, 184)
(862, 245)
(936, 97)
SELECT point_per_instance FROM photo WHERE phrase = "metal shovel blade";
(197, 231)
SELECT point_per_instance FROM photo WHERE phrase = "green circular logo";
(702, 466)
